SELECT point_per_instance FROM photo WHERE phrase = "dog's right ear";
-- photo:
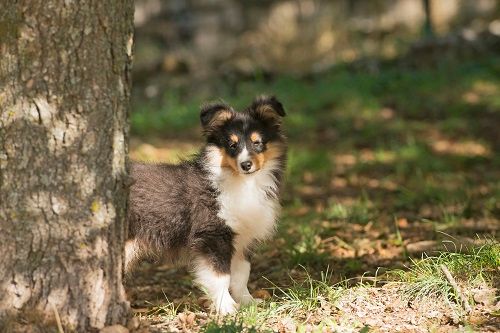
(214, 115)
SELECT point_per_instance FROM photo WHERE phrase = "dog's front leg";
(213, 266)
(240, 271)
(216, 285)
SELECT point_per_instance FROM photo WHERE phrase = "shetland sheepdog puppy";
(208, 212)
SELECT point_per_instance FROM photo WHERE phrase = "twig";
(58, 319)
(454, 284)
(343, 243)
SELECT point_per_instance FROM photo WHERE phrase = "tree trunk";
(428, 28)
(64, 95)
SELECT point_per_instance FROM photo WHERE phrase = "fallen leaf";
(262, 294)
(402, 223)
(484, 296)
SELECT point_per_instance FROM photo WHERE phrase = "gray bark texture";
(64, 95)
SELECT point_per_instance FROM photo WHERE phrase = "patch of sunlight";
(357, 211)
(369, 113)
(345, 159)
(410, 151)
(385, 156)
(379, 156)
(461, 148)
(359, 107)
(481, 89)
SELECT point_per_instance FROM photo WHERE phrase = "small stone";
(114, 329)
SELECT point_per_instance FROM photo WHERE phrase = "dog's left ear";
(268, 108)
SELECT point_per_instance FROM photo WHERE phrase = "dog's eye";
(233, 145)
(257, 144)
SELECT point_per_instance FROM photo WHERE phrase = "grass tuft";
(425, 277)
(306, 296)
(361, 211)
(306, 250)
(230, 325)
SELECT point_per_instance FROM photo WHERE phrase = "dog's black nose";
(246, 166)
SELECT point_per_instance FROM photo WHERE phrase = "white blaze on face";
(244, 156)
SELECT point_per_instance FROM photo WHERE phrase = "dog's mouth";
(249, 172)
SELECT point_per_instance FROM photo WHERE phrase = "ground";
(392, 182)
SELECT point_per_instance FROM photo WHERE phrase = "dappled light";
(315, 166)
(390, 159)
(375, 177)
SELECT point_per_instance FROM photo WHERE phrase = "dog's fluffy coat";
(209, 211)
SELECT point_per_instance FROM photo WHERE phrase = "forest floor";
(391, 211)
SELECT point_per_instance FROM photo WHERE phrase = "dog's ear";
(214, 115)
(269, 109)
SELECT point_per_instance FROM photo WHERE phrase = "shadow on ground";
(383, 166)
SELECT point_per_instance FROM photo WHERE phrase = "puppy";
(208, 212)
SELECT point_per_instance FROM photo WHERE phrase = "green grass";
(166, 311)
(397, 114)
(361, 211)
(230, 325)
(377, 161)
(306, 250)
(305, 295)
(346, 96)
(316, 162)
(425, 277)
(305, 300)
(296, 302)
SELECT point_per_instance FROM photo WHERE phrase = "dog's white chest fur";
(246, 207)
(244, 202)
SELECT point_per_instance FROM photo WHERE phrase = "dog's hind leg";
(132, 253)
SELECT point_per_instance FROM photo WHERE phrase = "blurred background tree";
(428, 28)
(201, 47)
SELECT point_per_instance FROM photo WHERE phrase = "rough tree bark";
(64, 93)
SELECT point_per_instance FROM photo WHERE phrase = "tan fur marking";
(273, 151)
(259, 160)
(255, 136)
(234, 138)
(267, 111)
(220, 118)
(228, 162)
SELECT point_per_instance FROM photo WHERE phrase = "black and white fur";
(208, 212)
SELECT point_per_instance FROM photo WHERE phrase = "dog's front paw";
(226, 306)
(247, 299)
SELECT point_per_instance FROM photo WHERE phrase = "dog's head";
(247, 141)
